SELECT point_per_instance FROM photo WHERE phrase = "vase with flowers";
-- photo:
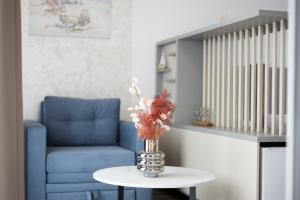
(151, 118)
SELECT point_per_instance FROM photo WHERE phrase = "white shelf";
(252, 19)
(171, 80)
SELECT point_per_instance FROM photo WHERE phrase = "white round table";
(172, 177)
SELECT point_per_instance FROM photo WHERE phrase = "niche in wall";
(236, 69)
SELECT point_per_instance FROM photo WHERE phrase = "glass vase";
(151, 161)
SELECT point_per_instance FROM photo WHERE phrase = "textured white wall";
(157, 20)
(77, 67)
(95, 68)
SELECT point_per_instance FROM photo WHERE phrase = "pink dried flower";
(151, 116)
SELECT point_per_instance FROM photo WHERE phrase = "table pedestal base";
(192, 193)
(121, 193)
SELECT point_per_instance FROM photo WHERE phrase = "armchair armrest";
(35, 154)
(128, 137)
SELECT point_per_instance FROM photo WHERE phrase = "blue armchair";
(75, 138)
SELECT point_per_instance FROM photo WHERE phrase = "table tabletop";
(172, 177)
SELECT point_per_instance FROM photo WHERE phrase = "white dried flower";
(130, 109)
(137, 125)
(132, 115)
(149, 102)
(159, 122)
(137, 108)
(132, 91)
(135, 119)
(145, 101)
(134, 81)
(138, 91)
(167, 128)
(142, 106)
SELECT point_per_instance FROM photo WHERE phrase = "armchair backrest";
(81, 122)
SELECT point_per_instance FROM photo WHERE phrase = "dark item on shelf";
(201, 123)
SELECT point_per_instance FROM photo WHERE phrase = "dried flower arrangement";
(151, 117)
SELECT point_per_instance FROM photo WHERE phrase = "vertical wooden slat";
(259, 102)
(274, 79)
(266, 98)
(253, 80)
(229, 81)
(224, 72)
(213, 84)
(208, 74)
(241, 81)
(247, 81)
(204, 74)
(282, 78)
(234, 85)
(218, 91)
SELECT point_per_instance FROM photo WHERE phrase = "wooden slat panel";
(237, 82)
(282, 78)
(234, 85)
(253, 80)
(274, 79)
(224, 72)
(259, 102)
(204, 74)
(208, 74)
(229, 81)
(247, 81)
(213, 84)
(218, 82)
(266, 98)
(241, 81)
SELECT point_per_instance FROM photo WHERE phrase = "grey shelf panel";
(253, 19)
(255, 137)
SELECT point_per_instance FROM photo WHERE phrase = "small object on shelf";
(171, 54)
(163, 61)
(203, 117)
(164, 70)
(200, 123)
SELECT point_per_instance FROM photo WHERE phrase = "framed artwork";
(74, 18)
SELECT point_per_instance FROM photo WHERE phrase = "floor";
(168, 195)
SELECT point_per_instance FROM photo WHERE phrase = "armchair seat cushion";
(90, 195)
(63, 178)
(83, 159)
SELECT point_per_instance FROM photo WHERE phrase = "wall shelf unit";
(187, 61)
(237, 69)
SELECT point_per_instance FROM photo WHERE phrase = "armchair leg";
(88, 195)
